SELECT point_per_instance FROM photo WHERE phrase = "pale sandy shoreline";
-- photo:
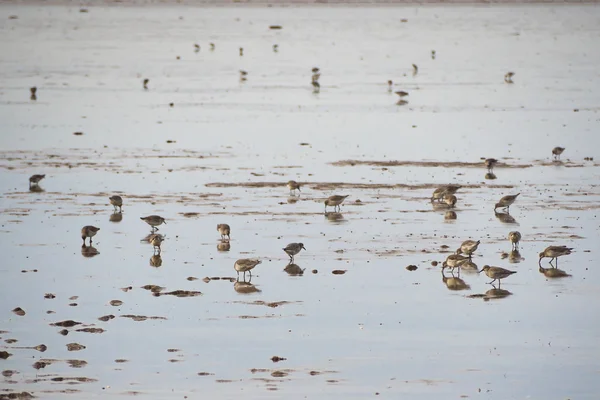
(286, 3)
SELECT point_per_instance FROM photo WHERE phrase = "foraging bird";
(415, 69)
(243, 75)
(454, 260)
(241, 51)
(292, 249)
(224, 230)
(390, 86)
(468, 247)
(515, 238)
(154, 221)
(116, 201)
(553, 252)
(315, 82)
(275, 48)
(146, 83)
(245, 264)
(156, 240)
(88, 231)
(433, 54)
(496, 273)
(556, 152)
(212, 46)
(33, 91)
(506, 202)
(35, 179)
(293, 186)
(335, 201)
(490, 163)
(450, 200)
(196, 48)
(401, 94)
(315, 70)
(508, 77)
(439, 193)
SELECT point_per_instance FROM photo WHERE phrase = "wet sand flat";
(365, 310)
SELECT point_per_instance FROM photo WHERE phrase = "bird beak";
(165, 221)
(304, 247)
(479, 271)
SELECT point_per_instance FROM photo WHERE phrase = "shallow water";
(377, 328)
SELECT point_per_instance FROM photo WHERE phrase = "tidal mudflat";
(366, 309)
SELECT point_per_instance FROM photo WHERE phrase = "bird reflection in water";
(156, 260)
(496, 293)
(224, 245)
(36, 189)
(491, 176)
(450, 216)
(293, 199)
(553, 272)
(245, 287)
(453, 282)
(505, 218)
(116, 217)
(89, 251)
(334, 217)
(515, 257)
(293, 270)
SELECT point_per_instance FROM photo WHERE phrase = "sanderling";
(292, 249)
(116, 201)
(496, 273)
(468, 247)
(88, 231)
(335, 201)
(293, 186)
(154, 221)
(224, 230)
(245, 264)
(557, 151)
(515, 238)
(553, 252)
(506, 202)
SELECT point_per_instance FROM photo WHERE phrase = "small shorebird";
(33, 91)
(490, 163)
(515, 238)
(275, 48)
(450, 200)
(116, 201)
(439, 193)
(415, 69)
(390, 86)
(315, 82)
(508, 77)
(224, 230)
(315, 70)
(402, 94)
(154, 221)
(556, 152)
(243, 75)
(146, 83)
(454, 260)
(245, 264)
(35, 179)
(468, 247)
(506, 202)
(496, 273)
(241, 51)
(88, 231)
(155, 240)
(433, 54)
(292, 249)
(196, 48)
(335, 201)
(212, 46)
(293, 186)
(553, 252)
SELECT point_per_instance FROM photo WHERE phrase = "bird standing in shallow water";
(468, 247)
(515, 238)
(506, 202)
(224, 230)
(390, 86)
(335, 201)
(508, 77)
(35, 179)
(450, 200)
(154, 221)
(496, 273)
(415, 69)
(33, 91)
(439, 193)
(116, 201)
(146, 83)
(556, 152)
(156, 240)
(88, 231)
(553, 252)
(490, 163)
(292, 249)
(293, 186)
(454, 260)
(245, 264)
